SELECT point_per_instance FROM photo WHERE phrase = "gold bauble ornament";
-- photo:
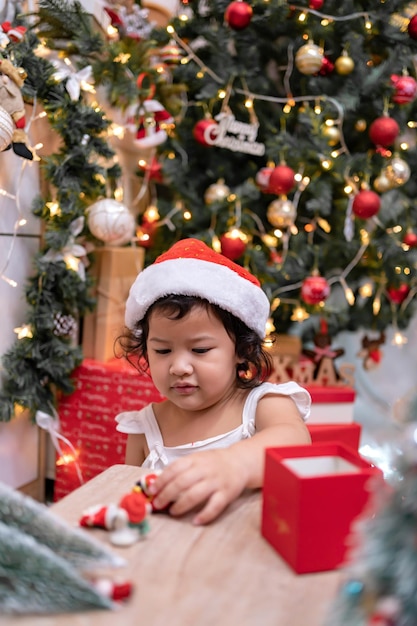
(309, 58)
(344, 65)
(382, 183)
(360, 126)
(217, 192)
(332, 134)
(281, 213)
(398, 172)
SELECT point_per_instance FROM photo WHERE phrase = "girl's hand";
(213, 479)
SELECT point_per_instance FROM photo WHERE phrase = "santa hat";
(191, 268)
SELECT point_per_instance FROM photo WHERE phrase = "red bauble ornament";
(314, 289)
(412, 27)
(384, 131)
(405, 89)
(238, 14)
(316, 4)
(232, 246)
(203, 130)
(398, 294)
(281, 180)
(327, 67)
(275, 257)
(366, 204)
(410, 239)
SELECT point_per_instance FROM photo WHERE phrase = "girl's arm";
(212, 479)
(135, 449)
(278, 423)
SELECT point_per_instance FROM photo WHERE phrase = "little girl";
(196, 321)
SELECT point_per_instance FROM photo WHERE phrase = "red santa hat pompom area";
(191, 268)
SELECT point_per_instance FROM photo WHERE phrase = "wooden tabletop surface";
(223, 574)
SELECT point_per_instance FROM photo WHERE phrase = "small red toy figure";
(133, 523)
(117, 591)
(100, 516)
(144, 483)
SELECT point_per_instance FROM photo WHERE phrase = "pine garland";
(37, 368)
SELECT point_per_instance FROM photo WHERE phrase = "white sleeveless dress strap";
(300, 396)
(144, 423)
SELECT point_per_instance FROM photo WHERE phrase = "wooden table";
(223, 574)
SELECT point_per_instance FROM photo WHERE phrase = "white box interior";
(320, 466)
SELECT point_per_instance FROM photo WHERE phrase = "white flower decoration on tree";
(75, 81)
(72, 254)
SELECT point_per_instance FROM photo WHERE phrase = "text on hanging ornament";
(233, 135)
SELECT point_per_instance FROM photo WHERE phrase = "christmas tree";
(294, 152)
(281, 134)
(381, 580)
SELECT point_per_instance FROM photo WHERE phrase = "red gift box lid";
(329, 394)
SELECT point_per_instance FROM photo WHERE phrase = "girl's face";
(192, 360)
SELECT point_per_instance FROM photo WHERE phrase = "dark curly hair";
(255, 365)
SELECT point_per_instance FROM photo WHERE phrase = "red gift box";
(331, 404)
(87, 419)
(311, 497)
(346, 434)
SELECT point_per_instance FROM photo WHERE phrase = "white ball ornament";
(111, 222)
(6, 129)
(309, 58)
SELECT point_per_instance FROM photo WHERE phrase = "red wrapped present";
(87, 419)
(331, 404)
(311, 497)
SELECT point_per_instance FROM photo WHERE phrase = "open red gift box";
(311, 496)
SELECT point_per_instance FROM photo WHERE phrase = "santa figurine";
(133, 524)
(11, 83)
(149, 121)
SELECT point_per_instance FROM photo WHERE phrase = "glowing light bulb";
(24, 331)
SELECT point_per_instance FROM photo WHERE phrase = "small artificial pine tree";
(43, 561)
(295, 153)
(381, 580)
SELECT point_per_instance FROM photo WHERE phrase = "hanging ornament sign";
(233, 135)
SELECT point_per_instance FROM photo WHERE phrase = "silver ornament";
(217, 192)
(398, 171)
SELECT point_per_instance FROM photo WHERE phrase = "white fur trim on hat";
(214, 282)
